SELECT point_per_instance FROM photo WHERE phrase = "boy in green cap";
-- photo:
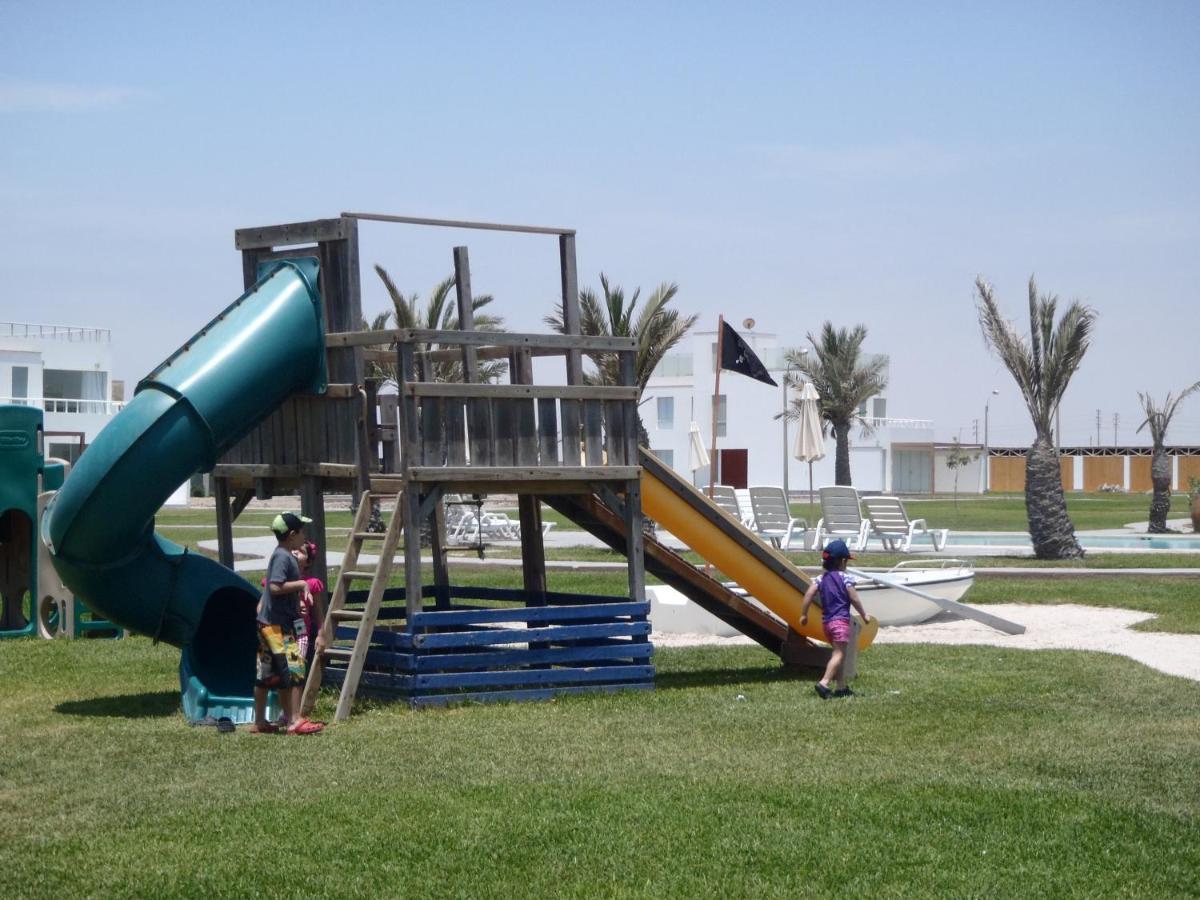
(280, 664)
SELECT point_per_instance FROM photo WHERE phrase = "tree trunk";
(841, 437)
(1050, 527)
(1160, 477)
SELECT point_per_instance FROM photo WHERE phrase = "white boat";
(672, 613)
(945, 578)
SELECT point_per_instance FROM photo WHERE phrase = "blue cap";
(837, 549)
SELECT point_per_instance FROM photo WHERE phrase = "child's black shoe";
(843, 692)
(823, 692)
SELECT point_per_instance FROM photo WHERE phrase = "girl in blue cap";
(837, 597)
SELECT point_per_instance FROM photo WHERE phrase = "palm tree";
(1158, 419)
(656, 328)
(845, 381)
(439, 313)
(1042, 367)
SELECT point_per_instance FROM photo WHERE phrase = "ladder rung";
(339, 652)
(347, 615)
(359, 574)
(369, 535)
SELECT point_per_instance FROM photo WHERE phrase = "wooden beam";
(272, 236)
(500, 474)
(520, 391)
(516, 340)
(458, 223)
(273, 470)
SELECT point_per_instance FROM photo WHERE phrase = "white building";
(67, 372)
(896, 456)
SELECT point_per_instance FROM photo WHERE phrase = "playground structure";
(271, 398)
(33, 600)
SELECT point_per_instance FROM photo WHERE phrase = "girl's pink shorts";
(837, 631)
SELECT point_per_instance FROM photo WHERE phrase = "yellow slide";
(765, 573)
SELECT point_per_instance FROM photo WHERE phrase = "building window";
(721, 407)
(667, 457)
(879, 408)
(69, 452)
(666, 413)
(20, 384)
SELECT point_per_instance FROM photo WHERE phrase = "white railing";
(55, 332)
(885, 422)
(71, 405)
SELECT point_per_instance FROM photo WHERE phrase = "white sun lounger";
(891, 524)
(773, 518)
(841, 518)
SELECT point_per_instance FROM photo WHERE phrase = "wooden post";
(466, 311)
(529, 506)
(312, 504)
(712, 458)
(437, 537)
(410, 501)
(850, 663)
(224, 522)
(569, 415)
(634, 520)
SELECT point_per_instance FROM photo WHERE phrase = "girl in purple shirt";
(837, 597)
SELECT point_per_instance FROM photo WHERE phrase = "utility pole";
(1097, 428)
(1116, 422)
(976, 429)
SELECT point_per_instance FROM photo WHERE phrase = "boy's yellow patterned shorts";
(279, 661)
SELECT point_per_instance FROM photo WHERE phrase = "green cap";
(286, 523)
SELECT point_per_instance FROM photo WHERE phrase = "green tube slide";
(209, 394)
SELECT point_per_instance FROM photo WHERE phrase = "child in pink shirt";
(312, 603)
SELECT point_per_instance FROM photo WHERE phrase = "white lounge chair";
(891, 524)
(841, 518)
(726, 498)
(773, 518)
(746, 507)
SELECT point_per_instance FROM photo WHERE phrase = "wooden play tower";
(432, 641)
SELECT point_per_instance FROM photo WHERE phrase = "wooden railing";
(500, 432)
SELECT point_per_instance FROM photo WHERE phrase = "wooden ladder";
(337, 613)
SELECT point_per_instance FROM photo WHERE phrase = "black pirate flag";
(737, 356)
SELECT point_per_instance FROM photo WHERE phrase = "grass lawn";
(957, 771)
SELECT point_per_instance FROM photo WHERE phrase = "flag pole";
(712, 459)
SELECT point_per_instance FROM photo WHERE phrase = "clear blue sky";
(793, 162)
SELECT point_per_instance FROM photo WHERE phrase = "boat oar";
(950, 606)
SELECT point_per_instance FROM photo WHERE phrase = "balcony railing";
(70, 333)
(887, 422)
(71, 405)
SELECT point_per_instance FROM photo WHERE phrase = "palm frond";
(1159, 415)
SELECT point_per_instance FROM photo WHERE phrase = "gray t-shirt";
(283, 609)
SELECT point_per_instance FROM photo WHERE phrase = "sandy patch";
(1063, 627)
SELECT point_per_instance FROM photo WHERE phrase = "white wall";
(751, 408)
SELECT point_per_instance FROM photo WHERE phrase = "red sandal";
(306, 726)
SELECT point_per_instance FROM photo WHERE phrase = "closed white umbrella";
(697, 452)
(810, 440)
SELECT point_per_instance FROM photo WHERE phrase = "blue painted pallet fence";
(612, 654)
(524, 635)
(542, 614)
(432, 662)
(455, 652)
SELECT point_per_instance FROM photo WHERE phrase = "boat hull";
(893, 606)
(672, 613)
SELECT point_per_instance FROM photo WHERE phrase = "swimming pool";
(1022, 541)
